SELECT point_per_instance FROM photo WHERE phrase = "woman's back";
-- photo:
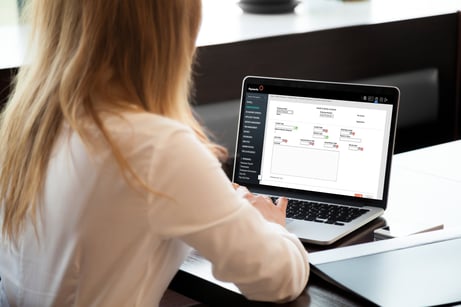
(96, 240)
(104, 242)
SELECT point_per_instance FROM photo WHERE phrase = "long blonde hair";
(81, 49)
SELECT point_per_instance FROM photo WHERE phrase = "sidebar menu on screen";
(251, 137)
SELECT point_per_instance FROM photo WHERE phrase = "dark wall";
(6, 76)
(347, 54)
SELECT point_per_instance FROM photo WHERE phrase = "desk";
(424, 185)
(310, 15)
(236, 26)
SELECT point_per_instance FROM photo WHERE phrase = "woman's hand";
(272, 212)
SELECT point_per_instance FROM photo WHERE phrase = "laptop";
(325, 146)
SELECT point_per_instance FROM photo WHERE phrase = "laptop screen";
(315, 137)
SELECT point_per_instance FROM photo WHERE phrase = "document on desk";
(198, 266)
(418, 270)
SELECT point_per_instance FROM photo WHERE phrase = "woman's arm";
(264, 260)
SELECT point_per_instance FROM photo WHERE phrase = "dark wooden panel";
(6, 77)
(345, 54)
(458, 79)
(341, 54)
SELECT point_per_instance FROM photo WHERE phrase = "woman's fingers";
(243, 192)
(272, 212)
(282, 202)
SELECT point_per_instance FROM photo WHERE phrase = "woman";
(107, 180)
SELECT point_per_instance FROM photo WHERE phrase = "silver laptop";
(325, 146)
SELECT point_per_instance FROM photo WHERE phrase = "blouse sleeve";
(200, 207)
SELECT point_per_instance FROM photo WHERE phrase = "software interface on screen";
(324, 145)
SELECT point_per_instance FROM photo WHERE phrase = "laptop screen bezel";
(341, 90)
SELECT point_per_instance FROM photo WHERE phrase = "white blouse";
(103, 242)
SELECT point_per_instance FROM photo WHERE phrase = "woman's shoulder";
(143, 123)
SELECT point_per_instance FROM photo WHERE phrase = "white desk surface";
(224, 21)
(426, 185)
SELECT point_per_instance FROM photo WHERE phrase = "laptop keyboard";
(322, 212)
